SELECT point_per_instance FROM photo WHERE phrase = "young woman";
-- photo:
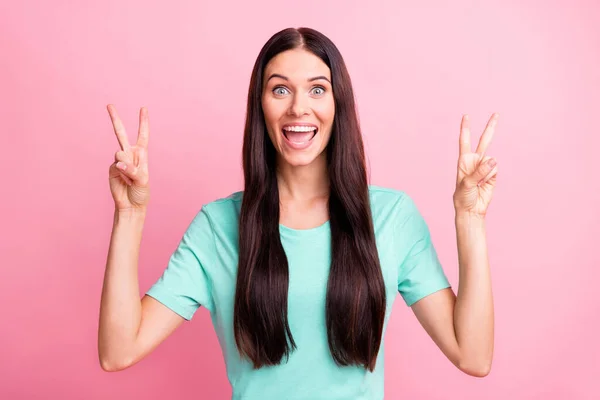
(300, 270)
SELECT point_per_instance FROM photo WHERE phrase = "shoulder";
(386, 199)
(225, 201)
(380, 193)
(397, 207)
(223, 211)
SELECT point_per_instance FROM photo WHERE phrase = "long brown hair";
(356, 299)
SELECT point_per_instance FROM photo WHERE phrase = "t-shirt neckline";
(304, 232)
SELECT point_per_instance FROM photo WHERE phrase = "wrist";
(130, 214)
(468, 217)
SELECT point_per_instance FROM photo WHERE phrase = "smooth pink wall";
(416, 69)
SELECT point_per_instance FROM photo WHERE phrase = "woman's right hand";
(128, 175)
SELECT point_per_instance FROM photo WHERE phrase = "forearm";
(474, 311)
(120, 306)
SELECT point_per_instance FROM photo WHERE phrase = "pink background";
(416, 69)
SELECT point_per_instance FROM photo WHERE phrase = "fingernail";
(121, 165)
(492, 162)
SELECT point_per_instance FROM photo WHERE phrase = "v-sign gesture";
(476, 175)
(128, 175)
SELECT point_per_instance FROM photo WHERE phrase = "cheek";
(266, 110)
(272, 111)
(270, 118)
(327, 138)
(326, 111)
(272, 135)
(326, 114)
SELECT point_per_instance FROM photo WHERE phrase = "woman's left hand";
(476, 175)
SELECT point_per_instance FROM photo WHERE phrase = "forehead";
(297, 64)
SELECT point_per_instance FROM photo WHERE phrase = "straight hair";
(356, 298)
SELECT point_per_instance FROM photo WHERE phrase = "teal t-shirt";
(202, 271)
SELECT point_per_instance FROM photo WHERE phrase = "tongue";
(299, 136)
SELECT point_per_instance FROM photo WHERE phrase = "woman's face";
(297, 99)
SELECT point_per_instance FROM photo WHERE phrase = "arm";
(474, 312)
(129, 328)
(463, 326)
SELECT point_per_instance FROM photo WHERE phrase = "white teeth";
(299, 128)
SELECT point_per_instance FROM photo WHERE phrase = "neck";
(299, 183)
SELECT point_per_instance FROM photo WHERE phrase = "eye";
(278, 88)
(319, 88)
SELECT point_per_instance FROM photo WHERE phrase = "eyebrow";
(287, 79)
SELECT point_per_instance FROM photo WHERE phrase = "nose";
(299, 106)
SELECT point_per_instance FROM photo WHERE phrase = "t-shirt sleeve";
(185, 284)
(420, 272)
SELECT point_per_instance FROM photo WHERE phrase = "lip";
(299, 146)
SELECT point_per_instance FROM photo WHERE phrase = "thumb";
(481, 172)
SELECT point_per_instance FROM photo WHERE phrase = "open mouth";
(300, 137)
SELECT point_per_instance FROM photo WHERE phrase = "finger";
(483, 160)
(487, 135)
(480, 173)
(123, 156)
(465, 136)
(118, 172)
(128, 181)
(491, 176)
(118, 127)
(127, 169)
(142, 157)
(135, 169)
(144, 129)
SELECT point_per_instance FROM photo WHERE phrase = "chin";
(299, 160)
